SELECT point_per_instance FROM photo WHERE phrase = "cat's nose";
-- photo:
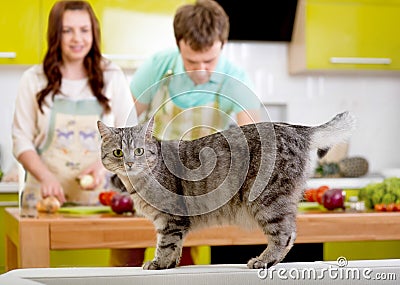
(129, 164)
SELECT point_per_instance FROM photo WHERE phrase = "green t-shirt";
(230, 84)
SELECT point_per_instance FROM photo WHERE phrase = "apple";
(122, 203)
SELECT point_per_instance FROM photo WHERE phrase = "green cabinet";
(8, 198)
(21, 32)
(345, 35)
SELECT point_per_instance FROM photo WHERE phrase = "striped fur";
(252, 175)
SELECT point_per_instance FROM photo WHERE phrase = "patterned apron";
(172, 122)
(72, 144)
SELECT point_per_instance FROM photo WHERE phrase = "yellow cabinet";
(133, 30)
(20, 32)
(345, 35)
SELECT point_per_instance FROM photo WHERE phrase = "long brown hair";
(201, 24)
(53, 59)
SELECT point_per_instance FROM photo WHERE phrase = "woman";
(55, 135)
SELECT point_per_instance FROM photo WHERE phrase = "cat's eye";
(118, 152)
(139, 151)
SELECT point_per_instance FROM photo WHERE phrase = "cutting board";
(85, 210)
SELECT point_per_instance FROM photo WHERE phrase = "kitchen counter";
(9, 187)
(345, 183)
(30, 240)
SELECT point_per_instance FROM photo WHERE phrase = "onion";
(333, 199)
(86, 181)
(48, 205)
(121, 203)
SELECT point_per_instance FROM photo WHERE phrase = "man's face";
(204, 62)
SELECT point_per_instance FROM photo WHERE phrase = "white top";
(30, 126)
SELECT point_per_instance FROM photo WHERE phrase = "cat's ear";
(149, 128)
(103, 129)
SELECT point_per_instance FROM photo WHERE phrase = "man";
(195, 77)
(192, 90)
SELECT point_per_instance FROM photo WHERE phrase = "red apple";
(122, 203)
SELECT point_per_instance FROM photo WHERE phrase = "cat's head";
(130, 150)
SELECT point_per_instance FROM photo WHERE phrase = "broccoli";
(393, 186)
(388, 198)
(386, 192)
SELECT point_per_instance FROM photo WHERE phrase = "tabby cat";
(253, 175)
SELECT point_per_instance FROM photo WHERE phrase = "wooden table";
(29, 240)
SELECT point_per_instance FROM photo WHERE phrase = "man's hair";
(201, 24)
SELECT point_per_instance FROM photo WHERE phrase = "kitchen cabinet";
(21, 33)
(345, 35)
(133, 30)
(8, 198)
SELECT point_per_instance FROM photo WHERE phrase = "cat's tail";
(337, 130)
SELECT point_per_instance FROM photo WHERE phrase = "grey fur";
(253, 175)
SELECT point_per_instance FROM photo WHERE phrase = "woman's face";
(204, 62)
(77, 36)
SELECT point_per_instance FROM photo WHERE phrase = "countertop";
(345, 183)
(9, 187)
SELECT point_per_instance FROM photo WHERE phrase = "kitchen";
(302, 98)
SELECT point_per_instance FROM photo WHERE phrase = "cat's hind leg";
(281, 234)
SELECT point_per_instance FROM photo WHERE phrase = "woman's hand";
(97, 171)
(50, 186)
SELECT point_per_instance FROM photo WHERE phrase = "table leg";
(11, 255)
(34, 244)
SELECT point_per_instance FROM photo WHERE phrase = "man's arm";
(140, 107)
(248, 117)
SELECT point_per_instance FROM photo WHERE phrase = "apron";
(172, 122)
(72, 144)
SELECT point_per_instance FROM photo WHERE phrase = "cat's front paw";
(256, 263)
(151, 265)
(154, 265)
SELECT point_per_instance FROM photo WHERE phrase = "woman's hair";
(53, 59)
(201, 24)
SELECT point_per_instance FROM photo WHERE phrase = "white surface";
(215, 274)
(391, 172)
(344, 183)
(9, 187)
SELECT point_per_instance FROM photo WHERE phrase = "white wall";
(309, 100)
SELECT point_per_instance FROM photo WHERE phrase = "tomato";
(105, 197)
(396, 207)
(308, 195)
(390, 207)
(380, 207)
(320, 192)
